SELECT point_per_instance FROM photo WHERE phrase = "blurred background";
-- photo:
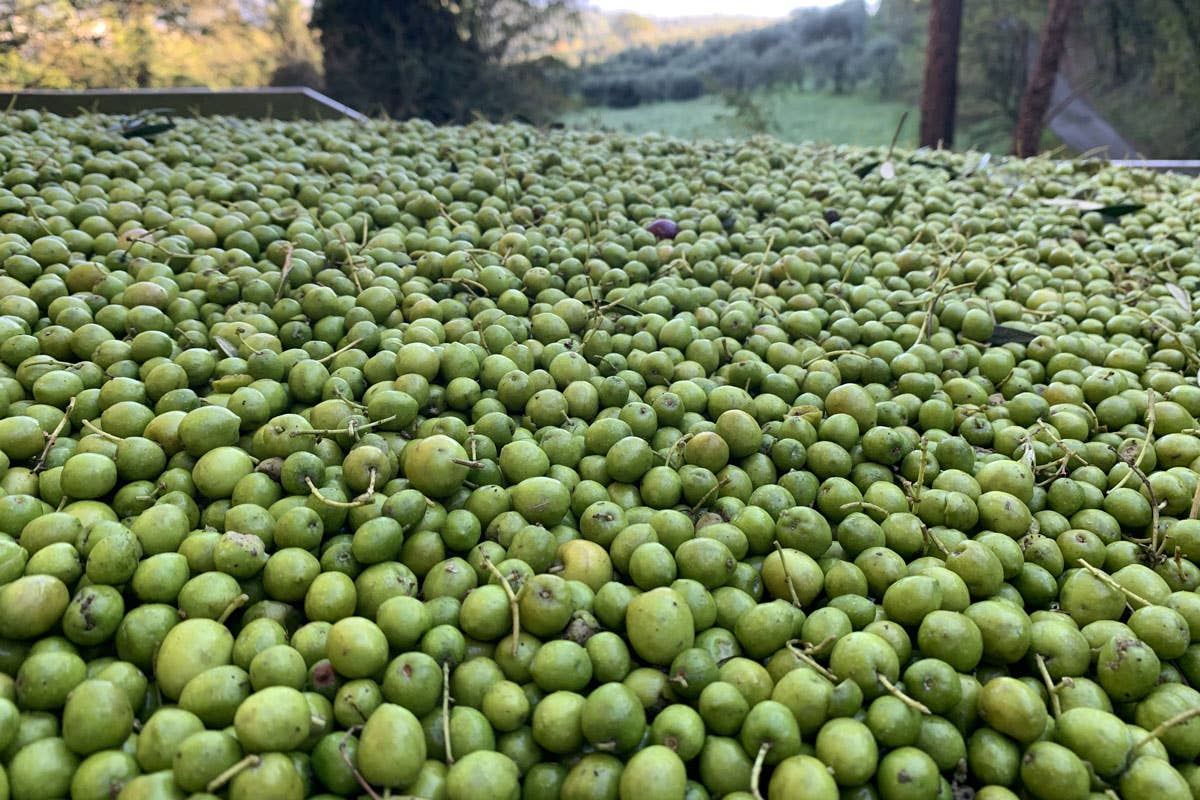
(1071, 76)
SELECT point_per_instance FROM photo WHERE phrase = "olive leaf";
(887, 170)
(1072, 202)
(863, 170)
(1121, 209)
(225, 346)
(1181, 297)
(978, 167)
(891, 206)
(1004, 334)
(1115, 210)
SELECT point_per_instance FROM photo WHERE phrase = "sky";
(686, 8)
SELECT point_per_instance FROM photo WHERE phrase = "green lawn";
(791, 114)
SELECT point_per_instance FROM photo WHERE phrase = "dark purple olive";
(663, 229)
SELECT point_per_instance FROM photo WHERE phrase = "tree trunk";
(940, 88)
(1114, 37)
(405, 59)
(1036, 99)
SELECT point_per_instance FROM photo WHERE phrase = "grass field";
(790, 114)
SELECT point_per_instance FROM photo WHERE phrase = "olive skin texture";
(378, 457)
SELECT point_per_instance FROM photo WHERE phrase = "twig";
(895, 691)
(787, 575)
(328, 501)
(1150, 419)
(233, 606)
(1107, 579)
(1166, 725)
(935, 541)
(756, 771)
(709, 494)
(87, 423)
(53, 437)
(284, 271)
(812, 662)
(821, 645)
(353, 769)
(339, 351)
(1051, 687)
(249, 761)
(351, 429)
(446, 711)
(350, 261)
(512, 602)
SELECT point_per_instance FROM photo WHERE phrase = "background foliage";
(1135, 60)
(63, 44)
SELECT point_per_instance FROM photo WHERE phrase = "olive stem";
(921, 470)
(1154, 507)
(927, 323)
(233, 606)
(935, 541)
(87, 423)
(53, 437)
(216, 783)
(347, 399)
(896, 692)
(284, 271)
(709, 494)
(353, 769)
(1150, 419)
(787, 575)
(812, 662)
(1107, 579)
(339, 351)
(470, 284)
(756, 771)
(863, 504)
(350, 260)
(468, 463)
(1195, 503)
(338, 431)
(512, 602)
(1051, 687)
(825, 356)
(679, 444)
(312, 487)
(369, 494)
(821, 645)
(762, 265)
(446, 712)
(1167, 724)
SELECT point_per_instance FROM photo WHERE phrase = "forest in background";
(1135, 60)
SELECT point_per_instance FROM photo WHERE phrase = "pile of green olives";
(381, 459)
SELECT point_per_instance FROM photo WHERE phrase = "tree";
(939, 91)
(66, 44)
(432, 58)
(1036, 100)
(298, 53)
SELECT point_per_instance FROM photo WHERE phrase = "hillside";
(597, 35)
